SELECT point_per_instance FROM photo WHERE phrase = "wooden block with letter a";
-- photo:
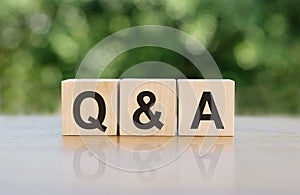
(206, 107)
(148, 107)
(89, 106)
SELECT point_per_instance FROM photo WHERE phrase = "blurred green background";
(256, 43)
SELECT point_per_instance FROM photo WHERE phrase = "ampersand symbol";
(145, 108)
(153, 154)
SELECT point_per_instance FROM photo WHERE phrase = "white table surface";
(263, 157)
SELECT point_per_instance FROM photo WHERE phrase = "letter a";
(207, 97)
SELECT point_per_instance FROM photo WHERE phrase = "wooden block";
(153, 97)
(206, 107)
(89, 106)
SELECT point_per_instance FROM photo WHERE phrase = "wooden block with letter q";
(89, 106)
(206, 107)
(148, 107)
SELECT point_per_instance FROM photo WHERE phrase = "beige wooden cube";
(148, 107)
(206, 107)
(89, 107)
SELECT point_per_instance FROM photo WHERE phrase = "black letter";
(207, 97)
(94, 123)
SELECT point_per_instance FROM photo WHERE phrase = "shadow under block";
(83, 109)
(206, 107)
(155, 97)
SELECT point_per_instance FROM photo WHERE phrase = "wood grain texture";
(107, 88)
(190, 92)
(165, 93)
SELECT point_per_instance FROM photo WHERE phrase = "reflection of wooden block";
(206, 107)
(82, 108)
(162, 111)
